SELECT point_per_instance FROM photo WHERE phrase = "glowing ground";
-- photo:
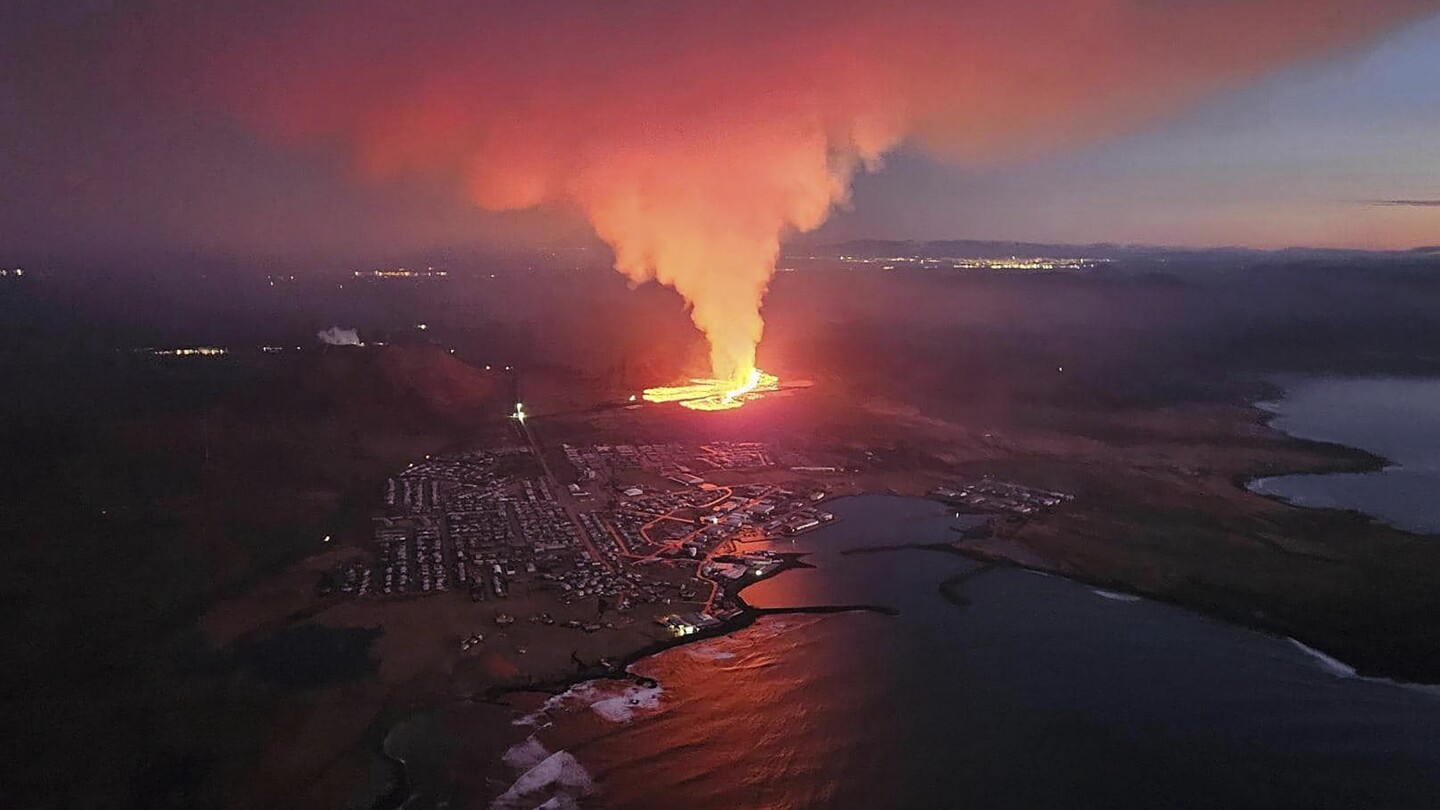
(705, 394)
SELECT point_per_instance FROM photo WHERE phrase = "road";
(562, 497)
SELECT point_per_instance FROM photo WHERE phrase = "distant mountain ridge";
(989, 249)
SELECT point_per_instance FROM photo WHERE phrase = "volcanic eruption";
(716, 394)
(693, 136)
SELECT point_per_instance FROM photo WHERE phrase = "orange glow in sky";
(693, 137)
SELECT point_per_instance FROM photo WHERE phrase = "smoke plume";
(336, 336)
(695, 134)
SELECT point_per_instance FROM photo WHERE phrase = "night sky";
(118, 143)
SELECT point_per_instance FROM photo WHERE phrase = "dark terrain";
(136, 492)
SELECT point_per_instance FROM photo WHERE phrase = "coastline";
(1307, 456)
(1375, 465)
(1347, 459)
(1359, 460)
(950, 589)
(402, 789)
(1362, 462)
(1375, 462)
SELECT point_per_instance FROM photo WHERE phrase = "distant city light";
(1034, 264)
(402, 273)
(190, 351)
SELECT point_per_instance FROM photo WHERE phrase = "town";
(991, 495)
(640, 532)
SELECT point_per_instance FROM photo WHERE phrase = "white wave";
(618, 705)
(523, 756)
(1117, 597)
(775, 626)
(1335, 667)
(707, 652)
(558, 781)
(1342, 670)
(543, 713)
(621, 708)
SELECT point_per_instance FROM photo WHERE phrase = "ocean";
(1030, 691)
(1398, 419)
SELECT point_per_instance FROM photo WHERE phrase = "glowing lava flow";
(716, 395)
